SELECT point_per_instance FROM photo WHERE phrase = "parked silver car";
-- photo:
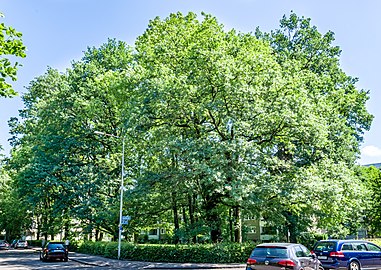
(4, 244)
(272, 256)
(21, 244)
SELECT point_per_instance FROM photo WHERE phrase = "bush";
(309, 238)
(208, 253)
(35, 243)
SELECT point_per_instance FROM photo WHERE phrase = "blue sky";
(57, 32)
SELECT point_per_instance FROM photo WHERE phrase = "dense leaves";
(218, 126)
(10, 45)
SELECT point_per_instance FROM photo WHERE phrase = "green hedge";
(219, 253)
(35, 243)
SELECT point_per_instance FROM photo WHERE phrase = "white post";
(121, 202)
(121, 189)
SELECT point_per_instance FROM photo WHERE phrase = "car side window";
(361, 247)
(305, 251)
(372, 247)
(347, 246)
(299, 252)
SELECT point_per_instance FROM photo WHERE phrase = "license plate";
(322, 257)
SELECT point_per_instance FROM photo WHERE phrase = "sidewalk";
(112, 263)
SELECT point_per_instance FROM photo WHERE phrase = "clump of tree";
(12, 211)
(218, 125)
(371, 219)
(10, 45)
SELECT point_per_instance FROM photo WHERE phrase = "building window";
(269, 230)
(153, 232)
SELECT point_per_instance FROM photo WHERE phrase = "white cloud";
(371, 151)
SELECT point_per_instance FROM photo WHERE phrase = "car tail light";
(287, 263)
(251, 261)
(338, 254)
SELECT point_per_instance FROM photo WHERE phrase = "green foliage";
(10, 45)
(15, 218)
(35, 243)
(61, 166)
(371, 177)
(218, 125)
(221, 253)
(309, 238)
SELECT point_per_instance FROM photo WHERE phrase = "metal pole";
(121, 189)
(121, 201)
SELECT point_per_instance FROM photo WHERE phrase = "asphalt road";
(27, 259)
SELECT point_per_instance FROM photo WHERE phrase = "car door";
(362, 254)
(375, 252)
(303, 255)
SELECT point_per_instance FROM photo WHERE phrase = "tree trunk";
(96, 235)
(291, 226)
(213, 219)
(191, 208)
(237, 224)
(66, 235)
(175, 218)
(231, 227)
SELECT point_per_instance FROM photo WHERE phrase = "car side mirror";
(313, 256)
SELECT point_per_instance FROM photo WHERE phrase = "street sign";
(125, 220)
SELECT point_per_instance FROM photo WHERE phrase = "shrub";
(206, 253)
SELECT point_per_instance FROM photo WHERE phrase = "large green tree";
(62, 165)
(217, 125)
(329, 125)
(249, 122)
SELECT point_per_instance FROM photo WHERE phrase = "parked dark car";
(54, 251)
(273, 256)
(21, 244)
(4, 244)
(348, 254)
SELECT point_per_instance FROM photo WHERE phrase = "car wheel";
(66, 259)
(353, 265)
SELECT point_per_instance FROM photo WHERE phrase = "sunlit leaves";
(10, 45)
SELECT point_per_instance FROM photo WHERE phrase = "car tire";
(66, 259)
(353, 265)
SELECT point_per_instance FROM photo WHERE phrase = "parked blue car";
(348, 254)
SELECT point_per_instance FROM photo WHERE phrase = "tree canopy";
(219, 126)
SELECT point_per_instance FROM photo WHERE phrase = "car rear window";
(276, 252)
(55, 246)
(325, 246)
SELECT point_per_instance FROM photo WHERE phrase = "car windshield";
(325, 246)
(275, 252)
(55, 246)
